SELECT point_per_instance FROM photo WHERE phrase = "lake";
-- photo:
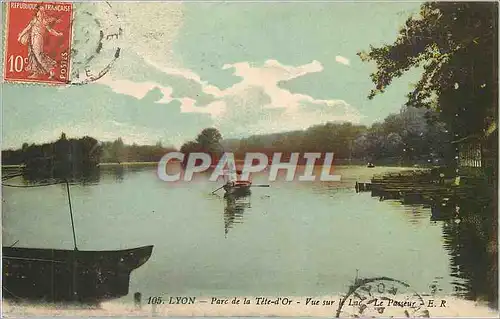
(293, 238)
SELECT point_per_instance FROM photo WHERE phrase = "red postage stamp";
(38, 42)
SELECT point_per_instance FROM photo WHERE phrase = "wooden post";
(137, 300)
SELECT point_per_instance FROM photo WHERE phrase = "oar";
(217, 189)
(260, 185)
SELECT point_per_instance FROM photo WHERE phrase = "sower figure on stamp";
(39, 63)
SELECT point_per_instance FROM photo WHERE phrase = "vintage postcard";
(249, 158)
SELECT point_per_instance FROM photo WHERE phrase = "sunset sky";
(244, 68)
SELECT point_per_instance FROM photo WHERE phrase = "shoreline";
(415, 166)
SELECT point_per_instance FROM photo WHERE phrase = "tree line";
(82, 153)
(404, 138)
(119, 152)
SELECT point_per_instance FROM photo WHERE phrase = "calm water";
(289, 239)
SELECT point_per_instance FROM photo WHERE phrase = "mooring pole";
(71, 215)
(75, 258)
(138, 300)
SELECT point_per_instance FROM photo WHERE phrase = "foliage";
(84, 152)
(401, 138)
(207, 141)
(118, 152)
(456, 45)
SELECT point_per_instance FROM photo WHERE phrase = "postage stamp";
(38, 44)
(249, 159)
(60, 42)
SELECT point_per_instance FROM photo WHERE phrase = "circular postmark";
(381, 297)
(97, 34)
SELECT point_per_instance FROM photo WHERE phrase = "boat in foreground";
(54, 275)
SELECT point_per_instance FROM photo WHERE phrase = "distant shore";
(128, 164)
(238, 162)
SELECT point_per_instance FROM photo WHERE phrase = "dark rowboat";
(238, 188)
(234, 185)
(54, 275)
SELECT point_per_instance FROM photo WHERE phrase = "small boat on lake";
(56, 275)
(235, 186)
(59, 275)
(238, 188)
(370, 165)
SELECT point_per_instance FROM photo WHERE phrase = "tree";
(62, 150)
(394, 143)
(190, 147)
(118, 150)
(393, 123)
(209, 139)
(456, 44)
(91, 150)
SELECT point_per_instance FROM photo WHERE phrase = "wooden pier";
(421, 187)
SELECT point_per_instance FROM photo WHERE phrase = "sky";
(244, 68)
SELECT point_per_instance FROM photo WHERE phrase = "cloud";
(268, 78)
(259, 105)
(137, 89)
(249, 114)
(256, 104)
(342, 60)
(214, 108)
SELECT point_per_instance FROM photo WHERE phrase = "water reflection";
(118, 171)
(469, 238)
(30, 177)
(81, 176)
(444, 211)
(415, 213)
(311, 215)
(234, 207)
(32, 273)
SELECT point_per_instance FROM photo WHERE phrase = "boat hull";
(53, 275)
(237, 190)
